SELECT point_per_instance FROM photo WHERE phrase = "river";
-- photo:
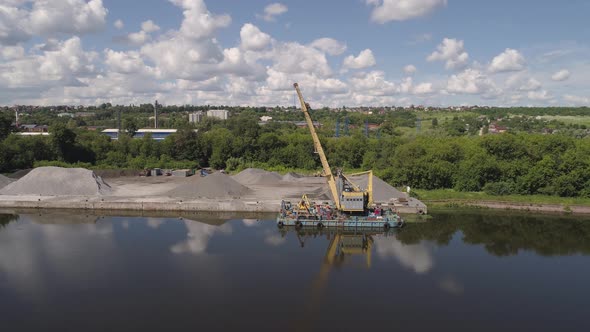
(460, 271)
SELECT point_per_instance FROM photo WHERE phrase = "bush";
(499, 188)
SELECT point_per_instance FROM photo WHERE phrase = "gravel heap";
(383, 192)
(57, 181)
(289, 177)
(216, 185)
(255, 176)
(4, 181)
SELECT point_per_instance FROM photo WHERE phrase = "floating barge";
(322, 216)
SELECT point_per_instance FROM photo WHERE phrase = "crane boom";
(318, 147)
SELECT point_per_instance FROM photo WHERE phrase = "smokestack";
(16, 116)
(156, 115)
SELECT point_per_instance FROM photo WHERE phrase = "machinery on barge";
(352, 206)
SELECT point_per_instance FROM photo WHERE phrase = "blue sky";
(360, 52)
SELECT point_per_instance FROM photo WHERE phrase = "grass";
(581, 120)
(451, 195)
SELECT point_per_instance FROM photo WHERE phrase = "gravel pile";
(383, 192)
(216, 185)
(290, 177)
(255, 176)
(57, 181)
(4, 181)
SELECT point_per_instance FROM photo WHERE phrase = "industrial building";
(196, 117)
(157, 134)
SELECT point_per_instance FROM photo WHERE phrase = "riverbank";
(533, 203)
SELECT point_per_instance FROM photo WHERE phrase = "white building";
(196, 117)
(218, 114)
(265, 118)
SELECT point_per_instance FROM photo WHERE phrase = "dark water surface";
(461, 271)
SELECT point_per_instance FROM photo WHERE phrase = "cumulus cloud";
(149, 26)
(509, 60)
(539, 95)
(273, 10)
(252, 38)
(451, 51)
(423, 89)
(365, 59)
(561, 75)
(410, 69)
(67, 16)
(329, 45)
(119, 24)
(472, 81)
(577, 100)
(199, 22)
(401, 10)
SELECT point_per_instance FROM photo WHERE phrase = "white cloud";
(401, 10)
(365, 59)
(149, 26)
(410, 69)
(252, 38)
(273, 10)
(14, 26)
(531, 85)
(509, 60)
(561, 75)
(577, 100)
(12, 52)
(199, 22)
(423, 89)
(453, 52)
(138, 38)
(119, 24)
(539, 95)
(472, 81)
(67, 16)
(329, 45)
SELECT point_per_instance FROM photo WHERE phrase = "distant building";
(157, 134)
(496, 129)
(218, 114)
(33, 128)
(85, 114)
(196, 117)
(63, 115)
(265, 118)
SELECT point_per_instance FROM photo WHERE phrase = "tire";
(320, 225)
(386, 226)
(281, 224)
(298, 224)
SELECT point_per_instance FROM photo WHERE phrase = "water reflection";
(198, 237)
(417, 257)
(504, 234)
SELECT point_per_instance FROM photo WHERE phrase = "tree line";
(501, 164)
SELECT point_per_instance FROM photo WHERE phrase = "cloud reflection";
(451, 285)
(414, 256)
(38, 246)
(198, 237)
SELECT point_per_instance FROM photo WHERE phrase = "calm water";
(466, 271)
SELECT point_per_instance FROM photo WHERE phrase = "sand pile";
(216, 185)
(383, 192)
(4, 181)
(57, 181)
(290, 177)
(255, 176)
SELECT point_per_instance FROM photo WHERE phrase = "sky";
(342, 53)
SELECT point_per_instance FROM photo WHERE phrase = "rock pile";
(255, 176)
(216, 185)
(57, 181)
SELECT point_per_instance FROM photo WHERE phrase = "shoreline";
(159, 204)
(505, 205)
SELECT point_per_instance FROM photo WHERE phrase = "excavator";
(353, 205)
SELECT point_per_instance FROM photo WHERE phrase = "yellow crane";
(347, 196)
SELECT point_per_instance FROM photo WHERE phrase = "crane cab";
(353, 201)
